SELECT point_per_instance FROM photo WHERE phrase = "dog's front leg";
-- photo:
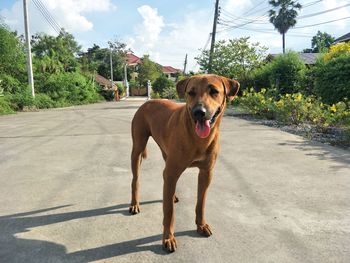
(170, 175)
(204, 179)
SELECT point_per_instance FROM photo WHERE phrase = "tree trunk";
(284, 43)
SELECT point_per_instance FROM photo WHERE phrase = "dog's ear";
(231, 87)
(181, 87)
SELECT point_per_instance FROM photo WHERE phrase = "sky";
(168, 30)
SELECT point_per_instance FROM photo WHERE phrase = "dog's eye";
(213, 92)
(192, 93)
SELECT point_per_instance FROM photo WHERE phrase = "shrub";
(5, 107)
(287, 71)
(43, 101)
(257, 103)
(261, 77)
(295, 109)
(332, 79)
(70, 87)
(169, 93)
(155, 95)
(10, 84)
(19, 101)
(337, 50)
(162, 83)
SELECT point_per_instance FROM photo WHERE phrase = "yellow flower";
(333, 108)
(298, 97)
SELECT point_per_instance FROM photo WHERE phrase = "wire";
(260, 3)
(47, 15)
(327, 22)
(50, 16)
(311, 3)
(325, 11)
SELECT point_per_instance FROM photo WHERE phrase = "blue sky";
(167, 30)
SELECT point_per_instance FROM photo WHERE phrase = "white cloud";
(68, 14)
(169, 47)
(237, 6)
(148, 32)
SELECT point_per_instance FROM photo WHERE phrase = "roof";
(344, 38)
(103, 81)
(132, 59)
(169, 69)
(307, 58)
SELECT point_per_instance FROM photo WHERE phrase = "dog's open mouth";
(203, 126)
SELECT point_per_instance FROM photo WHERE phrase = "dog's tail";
(143, 155)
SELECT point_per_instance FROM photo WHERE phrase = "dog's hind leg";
(138, 153)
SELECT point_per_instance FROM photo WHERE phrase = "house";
(170, 72)
(105, 83)
(345, 38)
(309, 59)
(134, 61)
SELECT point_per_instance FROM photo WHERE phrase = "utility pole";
(29, 52)
(111, 62)
(216, 16)
(185, 64)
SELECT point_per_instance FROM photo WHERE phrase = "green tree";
(332, 78)
(148, 70)
(161, 83)
(56, 54)
(286, 73)
(12, 57)
(234, 58)
(286, 16)
(321, 42)
(97, 59)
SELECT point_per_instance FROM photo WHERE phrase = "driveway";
(65, 189)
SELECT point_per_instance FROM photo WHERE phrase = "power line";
(322, 12)
(311, 3)
(268, 31)
(47, 15)
(327, 22)
(260, 3)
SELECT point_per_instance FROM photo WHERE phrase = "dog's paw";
(204, 230)
(134, 209)
(176, 199)
(169, 244)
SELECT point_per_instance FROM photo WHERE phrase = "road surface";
(65, 189)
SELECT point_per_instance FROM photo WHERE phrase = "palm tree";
(285, 18)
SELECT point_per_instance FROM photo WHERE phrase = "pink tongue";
(203, 129)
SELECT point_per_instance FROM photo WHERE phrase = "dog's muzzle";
(203, 120)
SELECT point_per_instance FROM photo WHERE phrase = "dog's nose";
(199, 112)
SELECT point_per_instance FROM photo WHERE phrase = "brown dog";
(187, 135)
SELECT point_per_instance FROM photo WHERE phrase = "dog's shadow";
(15, 249)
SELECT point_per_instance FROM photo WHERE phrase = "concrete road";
(65, 190)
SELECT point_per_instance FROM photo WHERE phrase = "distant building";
(309, 59)
(170, 72)
(134, 61)
(105, 83)
(345, 38)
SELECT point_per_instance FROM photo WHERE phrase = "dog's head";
(205, 97)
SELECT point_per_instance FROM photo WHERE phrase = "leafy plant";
(233, 58)
(332, 79)
(287, 71)
(162, 83)
(169, 93)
